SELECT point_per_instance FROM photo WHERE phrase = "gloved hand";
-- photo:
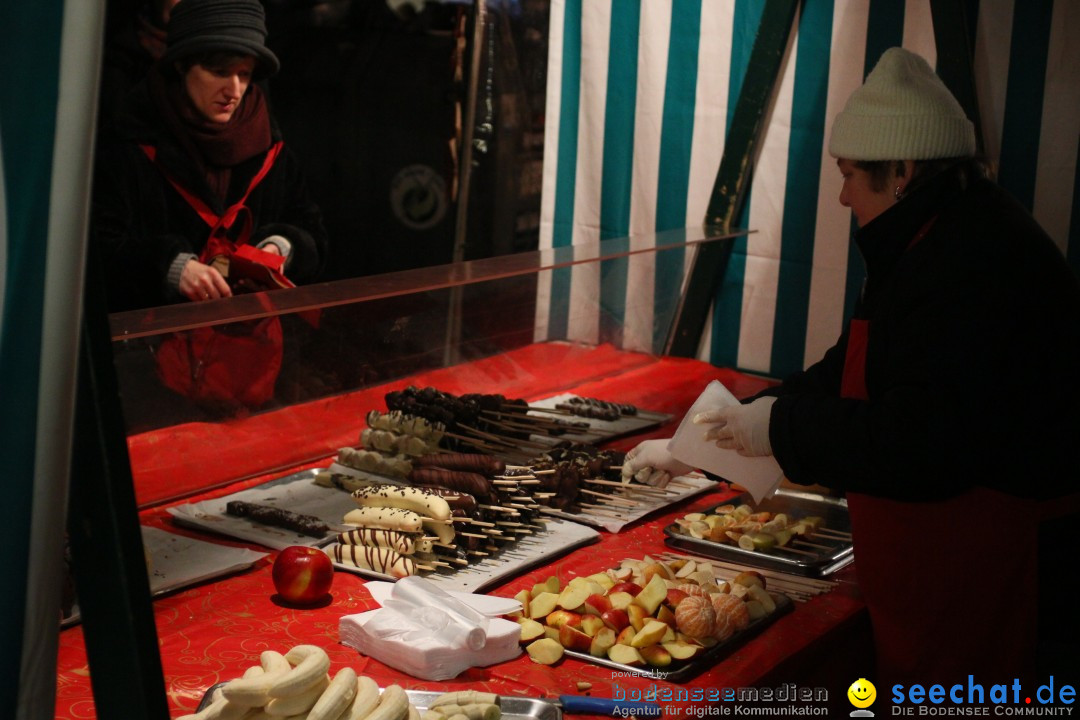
(652, 464)
(743, 428)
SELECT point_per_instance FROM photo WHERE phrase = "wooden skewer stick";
(611, 498)
(613, 511)
(643, 489)
(553, 411)
(498, 508)
(830, 531)
(472, 535)
(471, 441)
(480, 523)
(508, 442)
(600, 513)
(807, 543)
(425, 567)
(436, 563)
(477, 553)
(788, 548)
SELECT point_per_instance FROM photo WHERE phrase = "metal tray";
(599, 430)
(513, 708)
(689, 669)
(796, 504)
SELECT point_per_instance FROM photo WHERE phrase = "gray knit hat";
(239, 26)
(902, 112)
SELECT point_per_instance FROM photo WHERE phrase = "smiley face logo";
(862, 693)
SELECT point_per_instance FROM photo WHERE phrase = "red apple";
(616, 619)
(558, 618)
(302, 574)
(674, 597)
(597, 604)
(630, 587)
(573, 639)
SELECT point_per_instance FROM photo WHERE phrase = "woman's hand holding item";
(743, 428)
(202, 282)
(651, 463)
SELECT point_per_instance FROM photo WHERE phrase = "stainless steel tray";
(686, 670)
(513, 708)
(797, 504)
(598, 430)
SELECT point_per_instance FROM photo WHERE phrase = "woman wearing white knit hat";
(947, 410)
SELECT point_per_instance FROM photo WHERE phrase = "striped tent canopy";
(640, 96)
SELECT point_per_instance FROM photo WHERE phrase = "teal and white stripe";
(640, 95)
(49, 58)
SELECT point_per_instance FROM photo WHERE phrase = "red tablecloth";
(213, 632)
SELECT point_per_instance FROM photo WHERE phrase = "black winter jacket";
(973, 359)
(141, 223)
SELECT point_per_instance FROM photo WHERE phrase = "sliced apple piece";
(674, 597)
(652, 594)
(542, 604)
(650, 634)
(545, 651)
(591, 624)
(573, 639)
(626, 586)
(680, 650)
(597, 604)
(665, 615)
(620, 600)
(686, 569)
(572, 598)
(558, 618)
(616, 619)
(601, 642)
(655, 655)
(762, 596)
(657, 568)
(625, 635)
(603, 579)
(638, 616)
(755, 610)
(530, 630)
(749, 577)
(625, 655)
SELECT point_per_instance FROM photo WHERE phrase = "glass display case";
(218, 391)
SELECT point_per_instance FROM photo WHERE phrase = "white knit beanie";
(902, 112)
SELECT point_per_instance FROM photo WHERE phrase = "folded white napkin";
(424, 631)
(760, 475)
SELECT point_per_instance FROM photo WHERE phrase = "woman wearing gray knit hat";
(194, 170)
(947, 410)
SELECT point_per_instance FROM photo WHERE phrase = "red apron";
(951, 585)
(227, 367)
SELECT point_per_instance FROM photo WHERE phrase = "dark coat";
(972, 359)
(141, 223)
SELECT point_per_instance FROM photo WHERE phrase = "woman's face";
(216, 92)
(858, 195)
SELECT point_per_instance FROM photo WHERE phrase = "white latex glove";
(652, 464)
(743, 428)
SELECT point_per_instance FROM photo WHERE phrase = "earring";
(898, 193)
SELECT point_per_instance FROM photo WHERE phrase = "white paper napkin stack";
(430, 633)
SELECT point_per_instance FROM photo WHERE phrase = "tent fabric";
(48, 57)
(640, 95)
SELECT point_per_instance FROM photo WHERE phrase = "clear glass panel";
(262, 367)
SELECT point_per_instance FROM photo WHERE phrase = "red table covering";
(212, 632)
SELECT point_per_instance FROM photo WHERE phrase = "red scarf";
(215, 147)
